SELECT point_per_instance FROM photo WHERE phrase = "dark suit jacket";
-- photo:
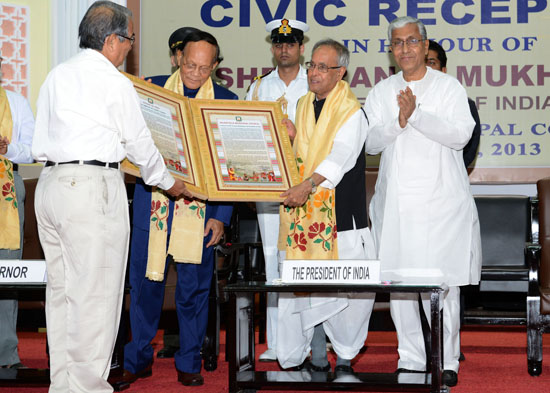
(470, 150)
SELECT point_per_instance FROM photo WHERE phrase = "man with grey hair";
(88, 120)
(424, 219)
(329, 204)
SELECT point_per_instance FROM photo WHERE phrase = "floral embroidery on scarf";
(317, 214)
(159, 214)
(192, 205)
(8, 186)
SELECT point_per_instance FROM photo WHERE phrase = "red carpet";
(495, 363)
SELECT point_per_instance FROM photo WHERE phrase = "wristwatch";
(313, 185)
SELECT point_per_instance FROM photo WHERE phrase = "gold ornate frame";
(261, 175)
(209, 141)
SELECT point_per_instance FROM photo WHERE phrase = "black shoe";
(462, 357)
(167, 352)
(450, 378)
(190, 379)
(343, 369)
(406, 370)
(308, 366)
(129, 377)
(343, 373)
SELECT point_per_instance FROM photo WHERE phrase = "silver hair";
(405, 20)
(102, 19)
(341, 50)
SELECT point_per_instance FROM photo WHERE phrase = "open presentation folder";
(224, 150)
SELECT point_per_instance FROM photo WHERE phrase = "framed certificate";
(224, 150)
(247, 148)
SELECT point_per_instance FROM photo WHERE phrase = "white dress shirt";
(88, 110)
(19, 149)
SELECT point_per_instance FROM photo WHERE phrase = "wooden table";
(240, 345)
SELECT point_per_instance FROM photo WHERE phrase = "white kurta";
(423, 214)
(19, 150)
(345, 317)
(272, 88)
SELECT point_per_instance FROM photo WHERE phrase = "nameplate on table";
(365, 271)
(17, 271)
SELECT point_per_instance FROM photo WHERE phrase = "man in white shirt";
(424, 218)
(88, 120)
(285, 84)
(16, 149)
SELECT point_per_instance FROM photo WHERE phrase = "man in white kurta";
(285, 84)
(344, 317)
(424, 219)
(88, 120)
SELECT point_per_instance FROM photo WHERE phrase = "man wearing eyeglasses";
(326, 215)
(88, 120)
(284, 84)
(170, 338)
(190, 237)
(424, 218)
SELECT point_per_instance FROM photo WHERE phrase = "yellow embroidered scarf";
(9, 216)
(309, 231)
(187, 235)
(175, 84)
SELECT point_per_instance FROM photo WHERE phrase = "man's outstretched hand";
(179, 189)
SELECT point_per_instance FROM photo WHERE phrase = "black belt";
(114, 165)
(14, 167)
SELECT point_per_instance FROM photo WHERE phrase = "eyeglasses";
(411, 43)
(320, 67)
(131, 39)
(204, 70)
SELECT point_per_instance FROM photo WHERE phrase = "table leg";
(436, 343)
(240, 336)
(231, 342)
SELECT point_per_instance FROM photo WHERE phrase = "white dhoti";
(406, 317)
(82, 214)
(268, 221)
(345, 317)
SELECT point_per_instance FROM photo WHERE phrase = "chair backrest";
(543, 190)
(505, 222)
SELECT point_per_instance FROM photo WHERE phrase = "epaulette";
(264, 75)
(256, 78)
